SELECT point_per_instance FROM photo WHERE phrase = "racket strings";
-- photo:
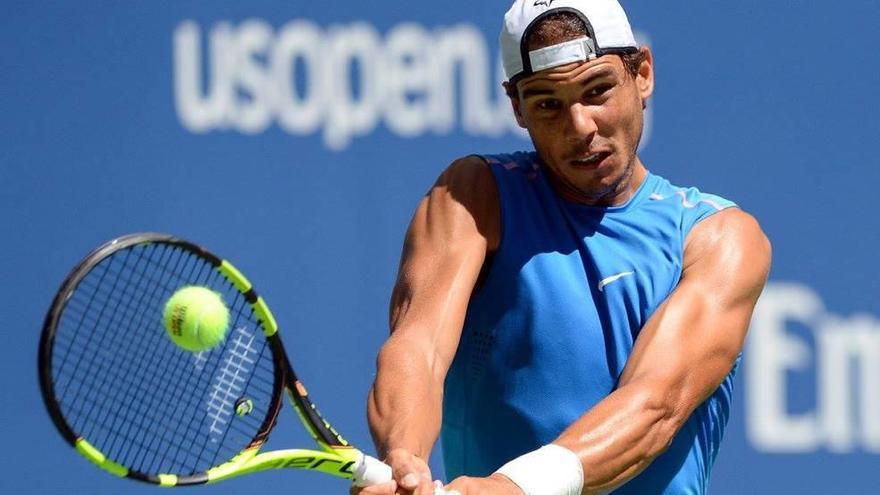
(263, 354)
(116, 342)
(88, 342)
(206, 453)
(127, 407)
(199, 279)
(139, 399)
(179, 395)
(131, 381)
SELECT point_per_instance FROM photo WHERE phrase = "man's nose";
(582, 121)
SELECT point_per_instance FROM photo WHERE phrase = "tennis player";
(575, 317)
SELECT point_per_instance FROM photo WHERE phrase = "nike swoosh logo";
(612, 279)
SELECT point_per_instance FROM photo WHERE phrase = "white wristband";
(550, 470)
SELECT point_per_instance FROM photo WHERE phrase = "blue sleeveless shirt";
(549, 330)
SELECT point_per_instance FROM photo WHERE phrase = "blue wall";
(295, 138)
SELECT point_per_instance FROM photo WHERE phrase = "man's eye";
(599, 90)
(549, 104)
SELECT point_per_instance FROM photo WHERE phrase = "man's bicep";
(453, 228)
(691, 343)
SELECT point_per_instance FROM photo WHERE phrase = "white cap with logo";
(608, 31)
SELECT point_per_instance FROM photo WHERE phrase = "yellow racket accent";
(265, 316)
(270, 326)
(167, 480)
(337, 463)
(236, 277)
(91, 453)
(232, 468)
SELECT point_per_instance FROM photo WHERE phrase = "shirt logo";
(545, 3)
(612, 279)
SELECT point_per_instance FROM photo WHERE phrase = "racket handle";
(371, 471)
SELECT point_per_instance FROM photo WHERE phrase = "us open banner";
(296, 139)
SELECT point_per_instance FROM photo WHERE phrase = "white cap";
(608, 31)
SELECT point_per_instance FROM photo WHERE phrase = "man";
(576, 318)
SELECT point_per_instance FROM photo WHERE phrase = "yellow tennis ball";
(196, 318)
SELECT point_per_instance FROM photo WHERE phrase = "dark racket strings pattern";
(132, 402)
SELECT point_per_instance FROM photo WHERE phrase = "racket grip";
(371, 471)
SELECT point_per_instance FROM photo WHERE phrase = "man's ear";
(513, 95)
(645, 77)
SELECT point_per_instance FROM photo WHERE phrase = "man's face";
(586, 120)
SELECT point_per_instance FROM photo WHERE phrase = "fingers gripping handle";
(371, 471)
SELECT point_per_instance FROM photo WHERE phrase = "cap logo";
(545, 3)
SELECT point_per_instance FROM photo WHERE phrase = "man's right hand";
(412, 476)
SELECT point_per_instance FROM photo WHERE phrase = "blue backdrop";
(295, 138)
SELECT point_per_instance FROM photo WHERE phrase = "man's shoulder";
(717, 228)
(730, 246)
(730, 228)
(469, 182)
(469, 173)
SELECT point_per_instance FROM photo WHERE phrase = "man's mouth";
(591, 160)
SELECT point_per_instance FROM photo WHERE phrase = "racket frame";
(336, 457)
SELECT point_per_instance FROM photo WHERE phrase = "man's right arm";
(454, 228)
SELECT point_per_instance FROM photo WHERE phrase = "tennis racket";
(131, 401)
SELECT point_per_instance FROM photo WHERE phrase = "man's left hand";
(495, 484)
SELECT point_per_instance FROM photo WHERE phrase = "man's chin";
(602, 188)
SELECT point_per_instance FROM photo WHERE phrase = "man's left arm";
(683, 353)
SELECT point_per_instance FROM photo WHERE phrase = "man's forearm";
(618, 439)
(404, 406)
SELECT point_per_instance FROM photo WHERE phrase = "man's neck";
(618, 195)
